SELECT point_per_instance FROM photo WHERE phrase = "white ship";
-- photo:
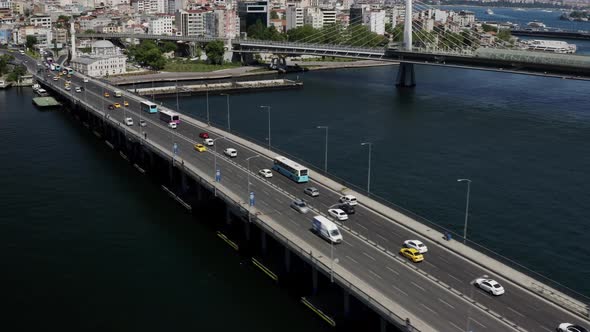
(553, 46)
(536, 24)
(489, 11)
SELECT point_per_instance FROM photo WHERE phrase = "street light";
(369, 171)
(268, 109)
(466, 208)
(228, 122)
(215, 162)
(207, 92)
(248, 160)
(326, 150)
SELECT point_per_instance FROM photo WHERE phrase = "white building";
(151, 6)
(318, 17)
(191, 22)
(377, 21)
(41, 20)
(5, 4)
(295, 17)
(105, 59)
(162, 25)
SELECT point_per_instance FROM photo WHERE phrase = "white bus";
(118, 93)
(291, 169)
(169, 117)
(148, 106)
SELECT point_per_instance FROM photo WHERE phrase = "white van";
(118, 93)
(326, 229)
(232, 153)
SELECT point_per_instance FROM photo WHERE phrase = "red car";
(204, 135)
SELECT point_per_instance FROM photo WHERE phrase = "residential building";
(319, 17)
(6, 4)
(162, 25)
(41, 20)
(377, 21)
(105, 59)
(295, 17)
(191, 22)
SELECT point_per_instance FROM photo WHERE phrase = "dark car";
(347, 208)
(111, 107)
(204, 135)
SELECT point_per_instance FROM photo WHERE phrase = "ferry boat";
(489, 11)
(536, 24)
(553, 46)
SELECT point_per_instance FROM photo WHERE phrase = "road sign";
(218, 175)
(252, 200)
(175, 148)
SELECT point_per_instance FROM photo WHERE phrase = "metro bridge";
(436, 295)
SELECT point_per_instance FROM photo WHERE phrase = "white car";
(490, 286)
(568, 327)
(351, 200)
(129, 121)
(230, 152)
(338, 214)
(172, 125)
(78, 90)
(208, 141)
(416, 244)
(85, 80)
(265, 173)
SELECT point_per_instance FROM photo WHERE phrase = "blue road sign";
(175, 148)
(218, 175)
(252, 200)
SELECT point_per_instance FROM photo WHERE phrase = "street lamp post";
(466, 207)
(207, 93)
(228, 120)
(268, 109)
(248, 193)
(369, 168)
(215, 162)
(326, 149)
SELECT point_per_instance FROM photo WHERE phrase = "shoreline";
(243, 71)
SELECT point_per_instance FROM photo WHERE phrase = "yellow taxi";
(126, 103)
(106, 94)
(60, 74)
(200, 147)
(117, 105)
(69, 76)
(411, 253)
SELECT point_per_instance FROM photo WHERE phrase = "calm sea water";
(523, 141)
(89, 245)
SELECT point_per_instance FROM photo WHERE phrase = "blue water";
(523, 140)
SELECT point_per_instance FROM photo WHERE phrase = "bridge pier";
(346, 296)
(314, 281)
(247, 231)
(287, 260)
(263, 242)
(405, 75)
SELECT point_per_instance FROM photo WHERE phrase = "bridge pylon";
(406, 77)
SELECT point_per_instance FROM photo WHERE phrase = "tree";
(262, 32)
(148, 54)
(215, 51)
(89, 31)
(31, 41)
(301, 33)
(504, 35)
(274, 15)
(16, 74)
(4, 60)
(168, 46)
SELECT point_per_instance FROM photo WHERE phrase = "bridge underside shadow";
(406, 78)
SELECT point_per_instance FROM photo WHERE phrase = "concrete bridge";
(436, 295)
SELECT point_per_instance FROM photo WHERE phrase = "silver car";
(300, 206)
(312, 191)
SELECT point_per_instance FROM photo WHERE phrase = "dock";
(46, 102)
(219, 87)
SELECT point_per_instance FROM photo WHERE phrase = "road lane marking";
(428, 263)
(514, 311)
(265, 192)
(431, 310)
(442, 259)
(375, 274)
(546, 329)
(458, 328)
(415, 284)
(347, 242)
(359, 225)
(478, 323)
(401, 291)
(279, 212)
(383, 237)
(441, 300)
(392, 270)
(352, 259)
(371, 257)
(452, 276)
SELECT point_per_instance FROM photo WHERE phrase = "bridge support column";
(405, 76)
(247, 231)
(382, 324)
(227, 215)
(183, 183)
(263, 242)
(346, 302)
(314, 281)
(287, 260)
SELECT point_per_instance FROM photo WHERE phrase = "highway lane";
(442, 263)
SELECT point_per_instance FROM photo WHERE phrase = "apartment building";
(191, 22)
(161, 25)
(295, 17)
(41, 20)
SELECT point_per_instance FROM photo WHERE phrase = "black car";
(111, 107)
(347, 208)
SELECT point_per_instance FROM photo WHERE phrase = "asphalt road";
(441, 309)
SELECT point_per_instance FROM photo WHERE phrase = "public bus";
(57, 68)
(118, 93)
(68, 71)
(169, 117)
(148, 106)
(290, 169)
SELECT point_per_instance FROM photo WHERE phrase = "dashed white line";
(431, 310)
(359, 225)
(401, 291)
(546, 329)
(430, 264)
(441, 300)
(458, 328)
(278, 212)
(352, 259)
(265, 192)
(392, 270)
(452, 276)
(514, 311)
(415, 284)
(383, 237)
(348, 243)
(375, 274)
(478, 323)
(371, 257)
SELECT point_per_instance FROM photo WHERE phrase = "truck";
(326, 229)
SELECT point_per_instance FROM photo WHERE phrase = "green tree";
(262, 32)
(16, 74)
(274, 15)
(214, 51)
(4, 60)
(89, 31)
(64, 18)
(148, 54)
(488, 28)
(31, 41)
(504, 35)
(168, 46)
(301, 33)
